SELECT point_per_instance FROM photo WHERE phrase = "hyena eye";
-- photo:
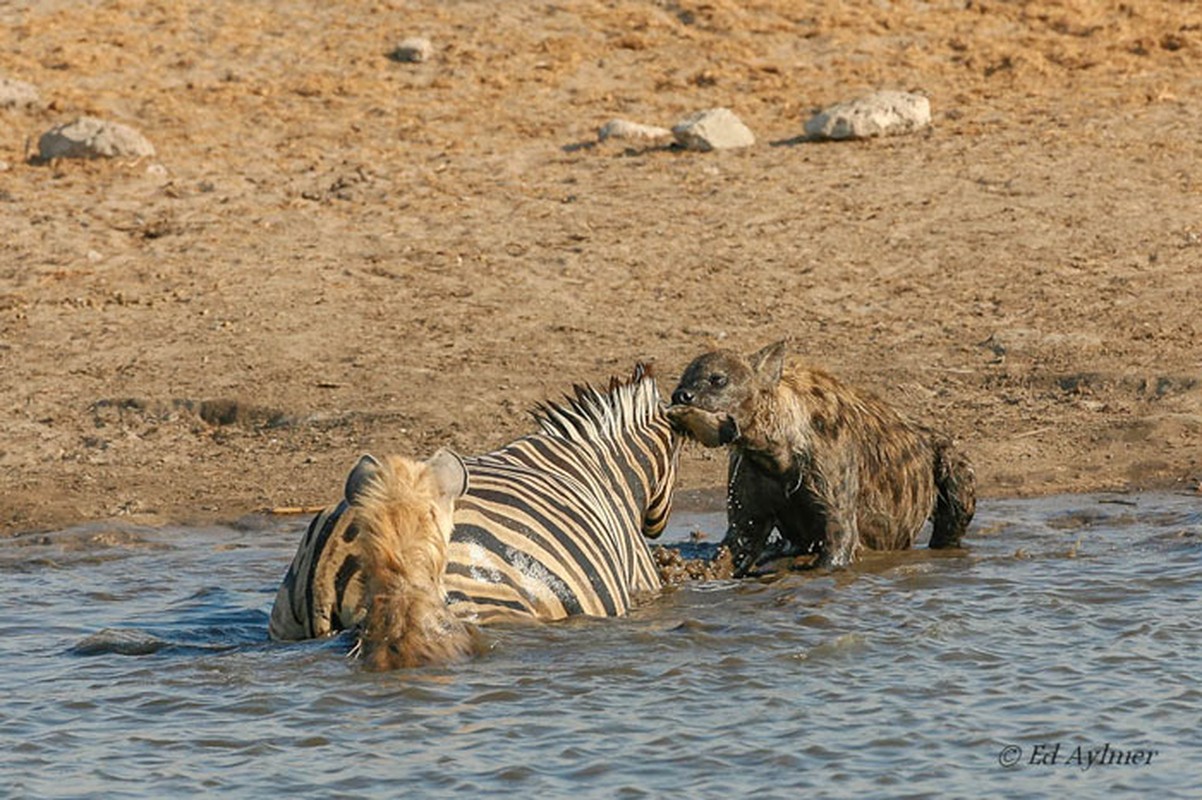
(717, 380)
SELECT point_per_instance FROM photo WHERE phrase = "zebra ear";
(363, 473)
(449, 471)
(768, 364)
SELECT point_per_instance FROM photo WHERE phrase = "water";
(134, 664)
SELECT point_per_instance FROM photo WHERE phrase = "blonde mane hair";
(404, 509)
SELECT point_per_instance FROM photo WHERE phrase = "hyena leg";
(746, 536)
(956, 490)
(839, 544)
(841, 533)
(751, 505)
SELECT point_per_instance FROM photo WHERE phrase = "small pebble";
(413, 51)
(17, 94)
(625, 129)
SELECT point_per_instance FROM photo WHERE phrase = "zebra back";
(554, 524)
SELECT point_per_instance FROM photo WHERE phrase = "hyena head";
(405, 509)
(727, 389)
(409, 503)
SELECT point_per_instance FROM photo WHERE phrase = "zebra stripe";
(552, 525)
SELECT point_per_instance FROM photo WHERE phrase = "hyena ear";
(768, 364)
(363, 473)
(449, 471)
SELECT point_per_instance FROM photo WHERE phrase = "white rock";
(88, 137)
(625, 129)
(713, 129)
(17, 94)
(413, 51)
(881, 114)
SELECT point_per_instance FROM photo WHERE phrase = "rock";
(17, 94)
(881, 114)
(674, 569)
(88, 137)
(413, 51)
(625, 129)
(713, 129)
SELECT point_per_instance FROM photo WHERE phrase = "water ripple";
(144, 672)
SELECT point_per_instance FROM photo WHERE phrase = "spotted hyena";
(404, 510)
(833, 468)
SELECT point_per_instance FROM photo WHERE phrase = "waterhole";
(136, 664)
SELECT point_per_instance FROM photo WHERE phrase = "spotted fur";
(404, 509)
(831, 467)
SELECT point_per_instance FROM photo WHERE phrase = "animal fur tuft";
(406, 524)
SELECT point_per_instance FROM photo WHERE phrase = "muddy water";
(134, 664)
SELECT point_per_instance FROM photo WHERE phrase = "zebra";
(552, 525)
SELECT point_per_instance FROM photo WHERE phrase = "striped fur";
(552, 525)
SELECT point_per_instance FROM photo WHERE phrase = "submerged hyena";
(832, 468)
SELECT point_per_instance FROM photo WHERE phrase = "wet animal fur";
(404, 508)
(832, 468)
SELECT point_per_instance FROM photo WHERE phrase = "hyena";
(833, 468)
(405, 509)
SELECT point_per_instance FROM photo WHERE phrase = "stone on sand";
(414, 50)
(634, 131)
(712, 129)
(17, 94)
(88, 137)
(884, 113)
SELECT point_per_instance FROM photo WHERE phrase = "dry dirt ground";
(333, 252)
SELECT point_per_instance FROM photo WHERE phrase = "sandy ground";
(333, 252)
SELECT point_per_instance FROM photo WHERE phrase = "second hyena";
(834, 469)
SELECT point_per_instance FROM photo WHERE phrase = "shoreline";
(333, 252)
(702, 500)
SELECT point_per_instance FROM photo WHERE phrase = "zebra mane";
(593, 414)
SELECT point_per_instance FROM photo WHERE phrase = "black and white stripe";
(552, 525)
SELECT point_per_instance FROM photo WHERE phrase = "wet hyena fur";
(832, 468)
(404, 509)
